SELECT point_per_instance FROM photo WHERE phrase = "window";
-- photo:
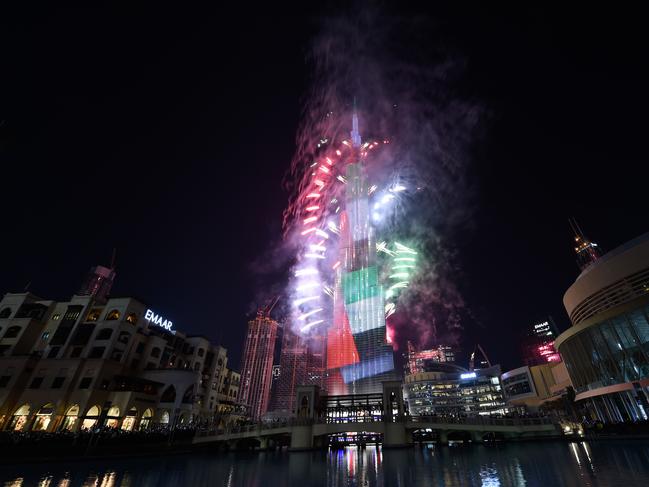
(56, 316)
(5, 313)
(155, 352)
(45, 336)
(85, 383)
(201, 352)
(124, 337)
(132, 318)
(197, 366)
(139, 348)
(104, 384)
(12, 332)
(57, 383)
(4, 380)
(54, 351)
(113, 315)
(76, 352)
(104, 334)
(116, 356)
(93, 315)
(36, 382)
(97, 352)
(169, 394)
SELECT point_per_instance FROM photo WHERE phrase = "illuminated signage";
(468, 375)
(543, 325)
(158, 320)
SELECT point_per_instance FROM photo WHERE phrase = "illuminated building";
(447, 389)
(538, 343)
(587, 252)
(257, 364)
(358, 355)
(531, 387)
(88, 363)
(606, 350)
(418, 361)
(292, 372)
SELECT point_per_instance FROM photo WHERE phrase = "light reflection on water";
(527, 464)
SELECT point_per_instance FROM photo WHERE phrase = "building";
(257, 364)
(92, 362)
(447, 389)
(538, 343)
(359, 356)
(606, 350)
(529, 388)
(98, 283)
(419, 360)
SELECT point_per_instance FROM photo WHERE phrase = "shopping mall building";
(446, 389)
(606, 350)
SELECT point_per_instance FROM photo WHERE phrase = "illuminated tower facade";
(358, 355)
(257, 364)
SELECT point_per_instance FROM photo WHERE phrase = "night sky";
(166, 133)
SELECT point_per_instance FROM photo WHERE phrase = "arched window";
(124, 337)
(113, 315)
(91, 418)
(43, 417)
(71, 418)
(201, 352)
(132, 318)
(147, 416)
(129, 421)
(169, 394)
(5, 313)
(164, 417)
(19, 419)
(12, 332)
(93, 315)
(104, 334)
(155, 352)
(112, 418)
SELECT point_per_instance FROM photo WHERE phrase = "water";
(549, 464)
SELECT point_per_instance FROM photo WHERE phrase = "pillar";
(396, 436)
(442, 437)
(301, 438)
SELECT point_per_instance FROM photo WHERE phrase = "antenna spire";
(356, 135)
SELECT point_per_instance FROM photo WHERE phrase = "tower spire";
(587, 251)
(356, 135)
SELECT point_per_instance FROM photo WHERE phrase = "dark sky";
(166, 132)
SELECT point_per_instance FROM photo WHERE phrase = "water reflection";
(529, 464)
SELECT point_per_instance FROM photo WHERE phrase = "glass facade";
(455, 393)
(611, 352)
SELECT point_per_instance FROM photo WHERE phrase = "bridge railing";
(482, 420)
(254, 427)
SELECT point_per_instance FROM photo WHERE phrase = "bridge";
(385, 418)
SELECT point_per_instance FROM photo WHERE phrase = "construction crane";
(266, 310)
(484, 355)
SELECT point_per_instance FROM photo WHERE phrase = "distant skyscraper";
(292, 371)
(98, 283)
(538, 343)
(257, 364)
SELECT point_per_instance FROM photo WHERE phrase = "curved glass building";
(606, 351)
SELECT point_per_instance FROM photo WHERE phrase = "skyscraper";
(257, 364)
(538, 343)
(358, 355)
(98, 283)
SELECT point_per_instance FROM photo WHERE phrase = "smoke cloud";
(406, 91)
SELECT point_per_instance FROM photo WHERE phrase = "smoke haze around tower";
(410, 105)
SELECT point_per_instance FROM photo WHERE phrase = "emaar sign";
(158, 320)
